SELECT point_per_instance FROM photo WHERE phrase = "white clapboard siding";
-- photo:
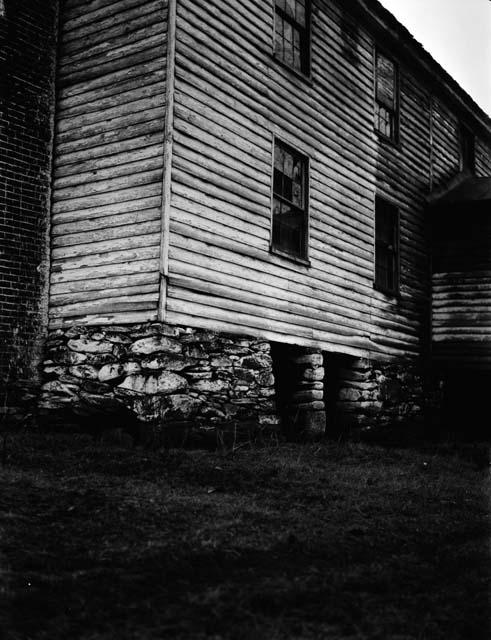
(108, 161)
(231, 99)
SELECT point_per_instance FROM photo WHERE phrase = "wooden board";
(461, 301)
(108, 164)
(232, 98)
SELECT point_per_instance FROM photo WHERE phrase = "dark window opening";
(290, 212)
(386, 247)
(386, 97)
(292, 34)
(468, 149)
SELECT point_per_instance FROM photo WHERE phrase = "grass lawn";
(328, 541)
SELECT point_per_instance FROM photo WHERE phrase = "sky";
(457, 33)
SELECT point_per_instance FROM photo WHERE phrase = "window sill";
(298, 75)
(305, 262)
(385, 140)
(395, 295)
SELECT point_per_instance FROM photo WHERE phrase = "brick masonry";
(27, 66)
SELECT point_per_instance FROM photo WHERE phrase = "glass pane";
(289, 175)
(288, 165)
(288, 229)
(386, 249)
(287, 32)
(386, 273)
(385, 122)
(300, 14)
(278, 182)
(298, 171)
(297, 196)
(291, 36)
(386, 90)
(279, 37)
(279, 157)
(297, 60)
(296, 38)
(290, 8)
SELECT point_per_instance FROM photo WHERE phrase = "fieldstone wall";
(169, 376)
(373, 395)
(190, 380)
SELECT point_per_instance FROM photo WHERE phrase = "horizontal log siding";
(231, 98)
(446, 153)
(107, 185)
(462, 289)
(461, 286)
(403, 177)
(446, 144)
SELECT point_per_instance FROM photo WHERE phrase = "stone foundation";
(170, 377)
(373, 395)
(176, 378)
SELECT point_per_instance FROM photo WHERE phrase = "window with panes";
(386, 246)
(386, 97)
(292, 34)
(290, 201)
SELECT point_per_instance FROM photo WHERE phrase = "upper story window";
(386, 97)
(386, 247)
(292, 34)
(290, 198)
(467, 149)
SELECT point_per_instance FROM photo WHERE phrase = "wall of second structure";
(232, 98)
(461, 282)
(462, 288)
(107, 189)
(27, 58)
(446, 147)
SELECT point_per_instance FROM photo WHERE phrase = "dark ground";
(328, 541)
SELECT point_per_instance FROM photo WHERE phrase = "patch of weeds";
(315, 541)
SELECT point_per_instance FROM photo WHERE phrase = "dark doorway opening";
(339, 373)
(287, 382)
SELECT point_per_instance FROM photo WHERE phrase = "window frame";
(396, 111)
(396, 274)
(306, 51)
(467, 141)
(274, 249)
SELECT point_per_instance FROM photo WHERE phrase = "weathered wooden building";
(240, 225)
(461, 300)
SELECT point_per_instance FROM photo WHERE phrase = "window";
(290, 194)
(467, 149)
(292, 25)
(386, 97)
(386, 246)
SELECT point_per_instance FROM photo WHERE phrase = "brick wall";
(27, 64)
